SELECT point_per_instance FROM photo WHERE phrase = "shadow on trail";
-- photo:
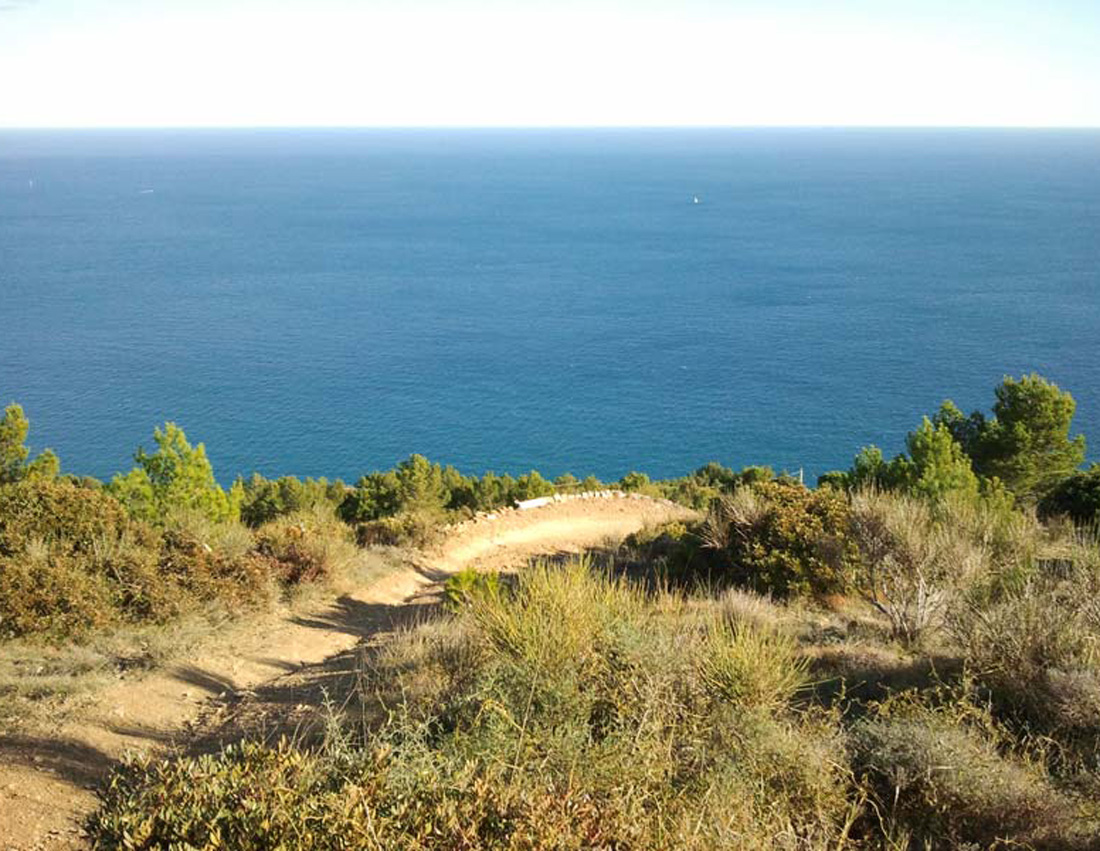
(432, 574)
(354, 617)
(75, 762)
(212, 684)
(299, 704)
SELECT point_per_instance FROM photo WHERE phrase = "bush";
(910, 561)
(784, 539)
(68, 518)
(201, 573)
(307, 546)
(419, 488)
(673, 551)
(264, 500)
(467, 585)
(75, 562)
(1035, 653)
(939, 775)
(52, 596)
(416, 530)
(139, 590)
(753, 667)
(250, 798)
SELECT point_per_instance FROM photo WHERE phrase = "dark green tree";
(634, 481)
(1027, 443)
(420, 485)
(375, 495)
(715, 475)
(567, 483)
(1076, 496)
(264, 499)
(532, 486)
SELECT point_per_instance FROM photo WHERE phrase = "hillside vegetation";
(570, 706)
(906, 657)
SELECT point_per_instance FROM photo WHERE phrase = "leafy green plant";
(784, 539)
(469, 584)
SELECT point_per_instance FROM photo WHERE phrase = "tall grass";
(574, 712)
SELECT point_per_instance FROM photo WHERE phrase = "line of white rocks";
(539, 502)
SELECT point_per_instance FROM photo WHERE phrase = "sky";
(243, 63)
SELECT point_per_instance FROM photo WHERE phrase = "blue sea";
(326, 302)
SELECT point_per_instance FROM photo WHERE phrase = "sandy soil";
(47, 780)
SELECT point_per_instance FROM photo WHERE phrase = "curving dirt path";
(47, 781)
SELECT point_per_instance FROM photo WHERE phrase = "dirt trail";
(47, 780)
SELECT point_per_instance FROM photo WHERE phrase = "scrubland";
(931, 680)
(905, 657)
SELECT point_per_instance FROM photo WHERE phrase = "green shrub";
(250, 798)
(1035, 653)
(1077, 497)
(674, 551)
(416, 485)
(783, 539)
(469, 584)
(636, 482)
(264, 500)
(68, 518)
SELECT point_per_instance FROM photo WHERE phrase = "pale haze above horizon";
(244, 63)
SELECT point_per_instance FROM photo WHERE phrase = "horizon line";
(112, 127)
